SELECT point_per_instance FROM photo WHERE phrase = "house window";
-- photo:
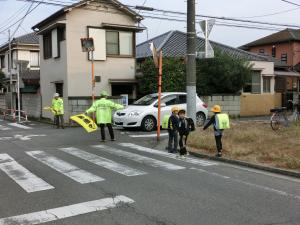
(34, 59)
(253, 84)
(266, 84)
(2, 61)
(112, 42)
(284, 57)
(262, 51)
(274, 51)
(47, 40)
(119, 43)
(61, 34)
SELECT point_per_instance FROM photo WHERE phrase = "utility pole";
(191, 60)
(9, 70)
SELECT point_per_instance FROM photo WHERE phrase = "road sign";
(87, 44)
(206, 26)
(154, 54)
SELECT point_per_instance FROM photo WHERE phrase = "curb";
(249, 165)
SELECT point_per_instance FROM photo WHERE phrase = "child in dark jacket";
(217, 132)
(185, 126)
(173, 130)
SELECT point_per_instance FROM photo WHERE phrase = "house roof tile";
(173, 44)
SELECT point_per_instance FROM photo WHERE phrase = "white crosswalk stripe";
(139, 158)
(19, 126)
(4, 128)
(168, 155)
(23, 177)
(103, 162)
(66, 211)
(65, 168)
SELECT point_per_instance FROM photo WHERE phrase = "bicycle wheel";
(275, 121)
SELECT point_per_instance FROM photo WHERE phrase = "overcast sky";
(228, 8)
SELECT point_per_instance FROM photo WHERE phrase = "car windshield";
(146, 100)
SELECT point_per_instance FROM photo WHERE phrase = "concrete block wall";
(230, 104)
(31, 104)
(2, 101)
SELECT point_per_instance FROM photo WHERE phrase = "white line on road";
(139, 158)
(27, 180)
(147, 135)
(4, 128)
(20, 126)
(65, 168)
(169, 155)
(103, 162)
(265, 188)
(66, 211)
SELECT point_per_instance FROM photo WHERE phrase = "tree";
(222, 74)
(173, 76)
(2, 77)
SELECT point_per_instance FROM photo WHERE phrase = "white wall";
(79, 67)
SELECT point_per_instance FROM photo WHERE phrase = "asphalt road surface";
(55, 176)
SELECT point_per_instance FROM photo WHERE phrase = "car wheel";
(149, 123)
(200, 119)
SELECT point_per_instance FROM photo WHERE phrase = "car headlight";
(134, 113)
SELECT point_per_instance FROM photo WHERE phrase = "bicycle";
(278, 117)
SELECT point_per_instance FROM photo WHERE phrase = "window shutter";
(99, 36)
(34, 59)
(55, 52)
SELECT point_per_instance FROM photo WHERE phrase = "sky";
(232, 36)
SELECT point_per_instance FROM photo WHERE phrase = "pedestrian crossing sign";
(86, 122)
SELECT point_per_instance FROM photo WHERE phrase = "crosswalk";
(31, 182)
(9, 126)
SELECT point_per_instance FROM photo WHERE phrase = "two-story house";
(25, 60)
(284, 46)
(67, 70)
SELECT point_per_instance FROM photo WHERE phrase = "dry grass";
(254, 142)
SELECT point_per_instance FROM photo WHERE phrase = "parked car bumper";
(124, 121)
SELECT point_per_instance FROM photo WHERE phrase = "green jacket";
(58, 106)
(103, 109)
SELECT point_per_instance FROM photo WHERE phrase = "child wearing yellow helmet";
(216, 109)
(173, 130)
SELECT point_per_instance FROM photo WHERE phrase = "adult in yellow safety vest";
(58, 109)
(103, 109)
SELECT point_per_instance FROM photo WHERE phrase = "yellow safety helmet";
(216, 109)
(174, 109)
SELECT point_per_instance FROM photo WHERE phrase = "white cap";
(56, 95)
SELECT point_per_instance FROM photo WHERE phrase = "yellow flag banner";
(86, 122)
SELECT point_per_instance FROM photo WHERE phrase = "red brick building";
(285, 47)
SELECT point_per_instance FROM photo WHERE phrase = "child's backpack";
(165, 122)
(222, 121)
(191, 124)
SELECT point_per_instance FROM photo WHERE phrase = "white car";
(143, 112)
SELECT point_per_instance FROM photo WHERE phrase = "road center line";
(103, 162)
(139, 158)
(27, 180)
(168, 155)
(65, 168)
(66, 211)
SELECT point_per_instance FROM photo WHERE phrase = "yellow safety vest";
(222, 121)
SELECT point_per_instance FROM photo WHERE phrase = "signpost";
(158, 64)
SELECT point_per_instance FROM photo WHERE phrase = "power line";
(292, 3)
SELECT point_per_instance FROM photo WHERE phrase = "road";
(62, 177)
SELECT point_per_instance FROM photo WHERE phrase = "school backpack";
(165, 122)
(191, 124)
(222, 121)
